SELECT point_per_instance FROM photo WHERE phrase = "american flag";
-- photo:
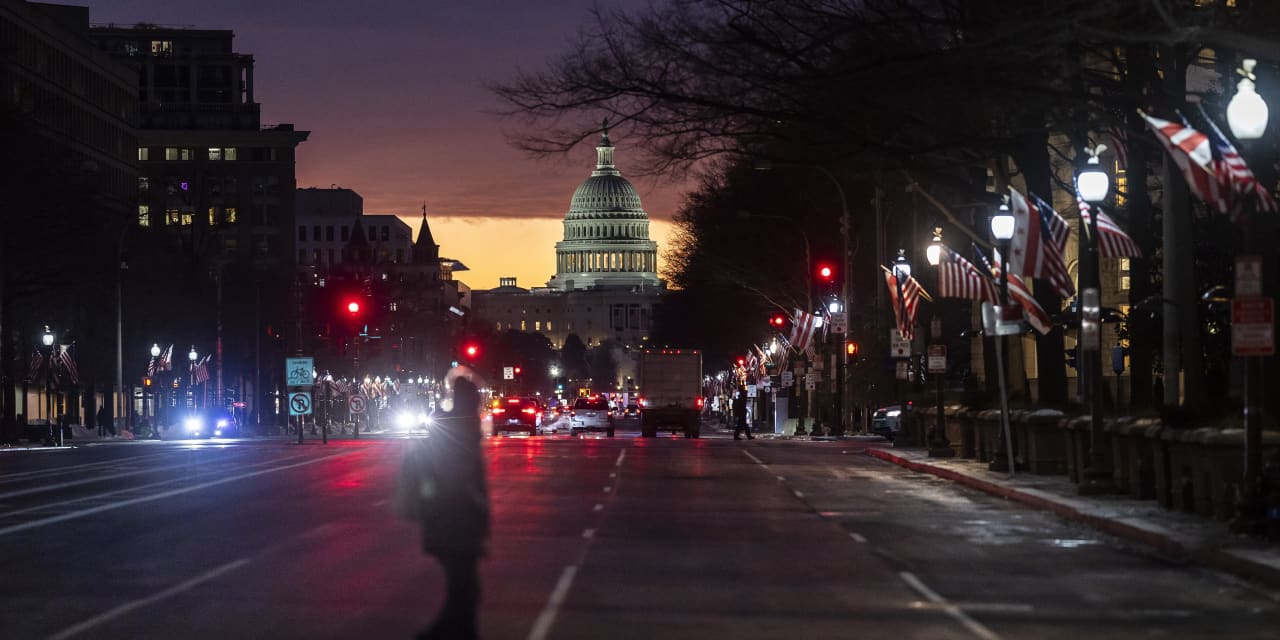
(37, 362)
(1113, 242)
(67, 364)
(802, 331)
(1193, 154)
(200, 371)
(166, 360)
(1039, 238)
(904, 294)
(1018, 291)
(1233, 174)
(958, 278)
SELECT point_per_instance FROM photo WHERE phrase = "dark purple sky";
(393, 94)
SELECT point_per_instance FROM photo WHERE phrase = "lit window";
(144, 154)
(215, 153)
(524, 326)
(188, 218)
(161, 47)
(144, 215)
(394, 306)
(170, 153)
(144, 184)
(229, 153)
(548, 325)
(172, 217)
(213, 216)
(1124, 283)
(537, 326)
(229, 214)
(1124, 264)
(1122, 185)
(497, 326)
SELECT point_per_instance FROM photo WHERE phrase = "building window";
(161, 47)
(1122, 185)
(144, 184)
(346, 233)
(144, 215)
(222, 153)
(172, 217)
(229, 214)
(213, 216)
(394, 305)
(302, 233)
(315, 233)
(524, 326)
(188, 218)
(497, 326)
(549, 325)
(177, 153)
(144, 154)
(328, 233)
(537, 325)
(1124, 274)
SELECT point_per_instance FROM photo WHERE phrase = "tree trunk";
(1142, 325)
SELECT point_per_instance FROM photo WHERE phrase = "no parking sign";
(356, 404)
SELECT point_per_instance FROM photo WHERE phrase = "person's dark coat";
(453, 505)
(740, 409)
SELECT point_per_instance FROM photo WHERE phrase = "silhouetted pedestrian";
(442, 485)
(740, 422)
(104, 420)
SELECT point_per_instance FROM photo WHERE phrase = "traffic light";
(742, 362)
(471, 352)
(778, 321)
(825, 272)
(353, 307)
(851, 348)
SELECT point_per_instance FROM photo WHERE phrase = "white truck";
(670, 391)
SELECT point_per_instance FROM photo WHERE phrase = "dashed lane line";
(542, 625)
(858, 538)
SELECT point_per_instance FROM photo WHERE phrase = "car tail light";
(641, 401)
(530, 410)
(699, 403)
(498, 410)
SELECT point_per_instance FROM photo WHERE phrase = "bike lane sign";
(298, 371)
(299, 403)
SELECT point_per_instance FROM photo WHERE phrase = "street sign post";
(356, 404)
(899, 345)
(299, 403)
(839, 322)
(751, 391)
(1253, 326)
(788, 378)
(508, 373)
(937, 358)
(1248, 276)
(297, 371)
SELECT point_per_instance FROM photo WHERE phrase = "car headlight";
(893, 414)
(404, 420)
(222, 423)
(193, 424)
(424, 419)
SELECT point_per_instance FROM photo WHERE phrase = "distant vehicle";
(632, 410)
(515, 413)
(887, 421)
(210, 423)
(591, 414)
(671, 388)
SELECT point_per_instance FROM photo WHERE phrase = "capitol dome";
(606, 232)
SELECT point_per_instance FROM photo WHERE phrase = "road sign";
(899, 346)
(299, 403)
(1252, 326)
(508, 373)
(839, 322)
(1248, 276)
(297, 372)
(788, 378)
(810, 385)
(356, 404)
(751, 391)
(937, 358)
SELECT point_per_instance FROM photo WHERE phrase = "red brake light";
(497, 410)
(699, 403)
(530, 410)
(513, 400)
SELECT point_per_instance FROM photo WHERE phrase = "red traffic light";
(353, 307)
(742, 362)
(826, 272)
(517, 370)
(777, 321)
(471, 351)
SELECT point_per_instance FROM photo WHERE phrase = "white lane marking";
(608, 489)
(857, 537)
(955, 612)
(155, 496)
(781, 479)
(621, 455)
(548, 616)
(598, 507)
(112, 614)
(753, 458)
(798, 494)
(8, 477)
(613, 474)
(588, 533)
(381, 503)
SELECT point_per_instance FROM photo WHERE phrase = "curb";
(1222, 560)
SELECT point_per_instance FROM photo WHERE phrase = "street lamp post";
(1002, 226)
(155, 410)
(939, 446)
(901, 271)
(1247, 116)
(192, 356)
(46, 338)
(1092, 185)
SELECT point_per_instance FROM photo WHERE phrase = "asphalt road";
(593, 538)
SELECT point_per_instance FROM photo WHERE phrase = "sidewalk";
(1179, 535)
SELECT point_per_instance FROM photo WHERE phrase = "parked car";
(591, 414)
(887, 421)
(516, 413)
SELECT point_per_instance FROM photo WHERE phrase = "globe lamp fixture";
(1091, 181)
(1247, 112)
(1002, 224)
(933, 253)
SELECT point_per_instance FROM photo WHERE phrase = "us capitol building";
(606, 285)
